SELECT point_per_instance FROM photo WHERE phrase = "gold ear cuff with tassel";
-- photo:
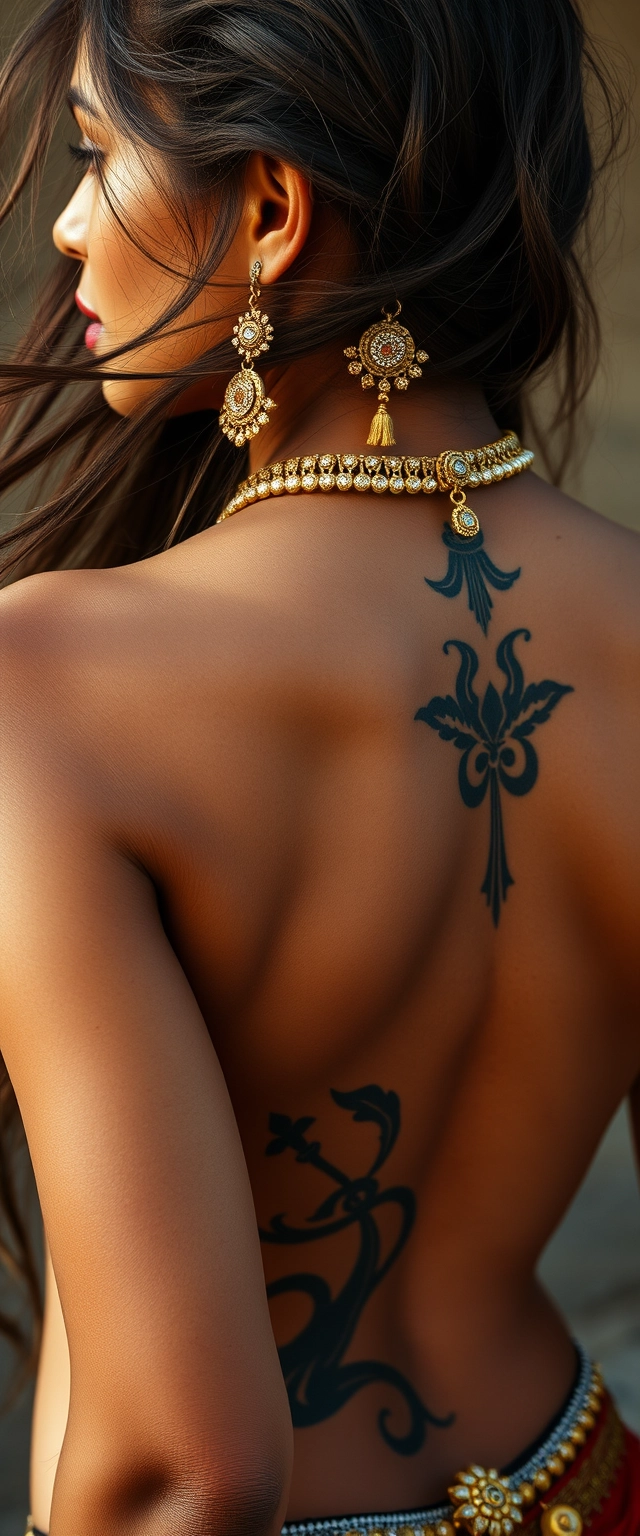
(386, 351)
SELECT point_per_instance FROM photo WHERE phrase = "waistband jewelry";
(484, 1502)
(449, 471)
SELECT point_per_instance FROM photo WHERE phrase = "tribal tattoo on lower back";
(319, 1381)
(493, 738)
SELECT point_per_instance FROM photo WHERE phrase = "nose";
(70, 228)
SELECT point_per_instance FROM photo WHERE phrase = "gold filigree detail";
(246, 405)
(385, 351)
(484, 1502)
(380, 473)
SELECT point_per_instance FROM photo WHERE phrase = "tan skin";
(236, 875)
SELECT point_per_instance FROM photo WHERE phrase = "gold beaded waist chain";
(581, 1456)
(450, 471)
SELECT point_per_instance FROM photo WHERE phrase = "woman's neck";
(322, 409)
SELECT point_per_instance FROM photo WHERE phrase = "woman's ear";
(280, 210)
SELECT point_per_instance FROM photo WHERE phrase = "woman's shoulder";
(595, 562)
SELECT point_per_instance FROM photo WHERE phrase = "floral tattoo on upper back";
(493, 738)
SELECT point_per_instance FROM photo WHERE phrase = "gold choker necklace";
(449, 471)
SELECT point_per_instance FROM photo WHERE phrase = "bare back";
(402, 892)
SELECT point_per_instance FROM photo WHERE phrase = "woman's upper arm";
(176, 1390)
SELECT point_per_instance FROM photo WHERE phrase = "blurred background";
(592, 1265)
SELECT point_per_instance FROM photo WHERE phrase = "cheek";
(130, 289)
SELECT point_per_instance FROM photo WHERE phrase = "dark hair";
(449, 136)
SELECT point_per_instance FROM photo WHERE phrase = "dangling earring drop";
(386, 352)
(246, 406)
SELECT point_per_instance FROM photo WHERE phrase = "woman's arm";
(178, 1418)
(51, 1406)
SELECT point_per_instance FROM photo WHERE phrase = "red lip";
(84, 309)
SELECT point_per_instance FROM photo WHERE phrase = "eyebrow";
(75, 98)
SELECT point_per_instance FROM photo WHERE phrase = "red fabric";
(620, 1513)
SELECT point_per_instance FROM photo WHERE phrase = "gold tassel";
(381, 430)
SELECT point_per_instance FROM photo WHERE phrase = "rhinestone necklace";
(449, 471)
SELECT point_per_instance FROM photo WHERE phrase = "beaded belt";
(540, 1498)
(547, 1496)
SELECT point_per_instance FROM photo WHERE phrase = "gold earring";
(386, 352)
(246, 405)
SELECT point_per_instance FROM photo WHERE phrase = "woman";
(318, 821)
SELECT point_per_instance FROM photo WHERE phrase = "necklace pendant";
(464, 521)
(463, 518)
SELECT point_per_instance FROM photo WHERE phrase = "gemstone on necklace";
(327, 482)
(344, 482)
(379, 483)
(396, 484)
(362, 482)
(459, 467)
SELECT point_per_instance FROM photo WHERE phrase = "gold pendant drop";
(386, 351)
(246, 404)
(463, 518)
(452, 469)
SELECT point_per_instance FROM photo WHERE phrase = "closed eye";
(86, 154)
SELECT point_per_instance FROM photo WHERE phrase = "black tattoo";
(493, 739)
(318, 1383)
(468, 560)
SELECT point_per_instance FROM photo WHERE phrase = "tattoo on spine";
(493, 737)
(318, 1383)
(469, 561)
